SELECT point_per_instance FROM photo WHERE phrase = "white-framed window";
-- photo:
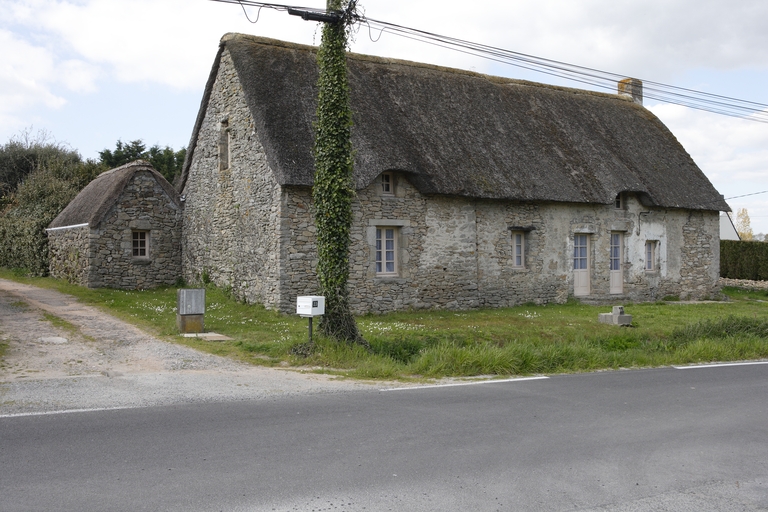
(140, 244)
(518, 249)
(615, 259)
(651, 255)
(224, 139)
(616, 274)
(386, 251)
(618, 203)
(387, 184)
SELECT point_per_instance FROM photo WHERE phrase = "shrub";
(42, 194)
(744, 260)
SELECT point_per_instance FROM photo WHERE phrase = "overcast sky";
(91, 72)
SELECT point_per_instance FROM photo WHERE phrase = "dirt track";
(105, 363)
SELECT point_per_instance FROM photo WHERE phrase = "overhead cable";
(598, 79)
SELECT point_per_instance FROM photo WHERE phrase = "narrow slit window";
(518, 249)
(651, 249)
(224, 139)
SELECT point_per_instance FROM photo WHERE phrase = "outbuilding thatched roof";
(466, 134)
(93, 203)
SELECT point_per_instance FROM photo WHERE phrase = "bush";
(744, 260)
(57, 177)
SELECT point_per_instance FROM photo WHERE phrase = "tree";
(48, 176)
(333, 189)
(743, 227)
(165, 160)
(26, 152)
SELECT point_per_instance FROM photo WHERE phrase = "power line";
(606, 80)
(747, 195)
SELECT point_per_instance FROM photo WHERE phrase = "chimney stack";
(632, 87)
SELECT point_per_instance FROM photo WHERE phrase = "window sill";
(141, 261)
(389, 279)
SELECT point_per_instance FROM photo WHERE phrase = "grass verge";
(504, 342)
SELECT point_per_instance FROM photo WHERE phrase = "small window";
(618, 203)
(518, 249)
(651, 249)
(140, 244)
(224, 136)
(387, 184)
(386, 251)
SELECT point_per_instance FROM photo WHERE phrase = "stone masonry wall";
(143, 205)
(456, 253)
(68, 250)
(231, 215)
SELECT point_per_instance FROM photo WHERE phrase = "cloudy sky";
(91, 72)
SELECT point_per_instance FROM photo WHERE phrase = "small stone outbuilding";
(123, 230)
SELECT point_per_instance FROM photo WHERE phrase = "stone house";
(471, 190)
(123, 230)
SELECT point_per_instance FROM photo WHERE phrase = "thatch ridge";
(93, 203)
(463, 133)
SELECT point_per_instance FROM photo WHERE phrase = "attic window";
(224, 136)
(387, 184)
(618, 203)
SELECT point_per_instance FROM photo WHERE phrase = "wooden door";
(581, 265)
(617, 275)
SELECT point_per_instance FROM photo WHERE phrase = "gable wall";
(231, 216)
(456, 253)
(143, 205)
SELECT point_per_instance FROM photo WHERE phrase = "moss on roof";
(462, 133)
(93, 203)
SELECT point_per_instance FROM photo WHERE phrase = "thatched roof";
(93, 203)
(461, 133)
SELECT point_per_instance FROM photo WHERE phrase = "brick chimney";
(632, 87)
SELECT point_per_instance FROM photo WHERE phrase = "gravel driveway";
(98, 361)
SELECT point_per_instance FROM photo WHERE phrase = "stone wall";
(68, 249)
(457, 253)
(143, 205)
(231, 223)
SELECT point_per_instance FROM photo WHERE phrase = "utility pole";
(333, 188)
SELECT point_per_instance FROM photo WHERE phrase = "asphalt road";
(664, 439)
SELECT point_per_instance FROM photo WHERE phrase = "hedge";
(744, 260)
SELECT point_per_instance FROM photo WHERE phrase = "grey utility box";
(190, 310)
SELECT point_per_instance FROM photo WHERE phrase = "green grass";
(503, 342)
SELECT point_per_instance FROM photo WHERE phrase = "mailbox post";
(309, 307)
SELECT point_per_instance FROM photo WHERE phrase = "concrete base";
(617, 317)
(190, 323)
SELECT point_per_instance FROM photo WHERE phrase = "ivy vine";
(333, 190)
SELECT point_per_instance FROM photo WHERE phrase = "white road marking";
(432, 386)
(715, 365)
(65, 411)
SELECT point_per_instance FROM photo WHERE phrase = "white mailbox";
(310, 306)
